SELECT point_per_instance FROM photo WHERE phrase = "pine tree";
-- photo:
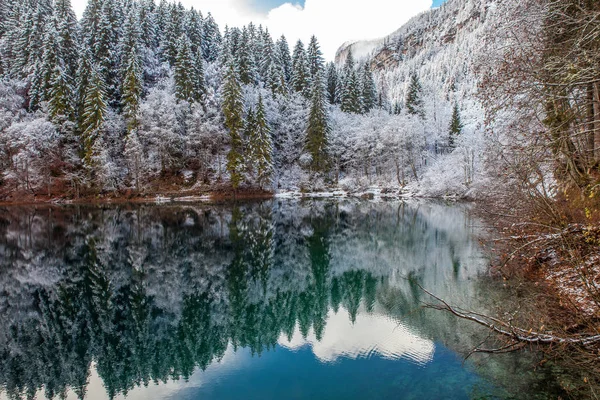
(61, 95)
(200, 81)
(414, 102)
(262, 146)
(276, 80)
(90, 22)
(267, 56)
(23, 50)
(185, 72)
(315, 59)
(455, 128)
(44, 71)
(172, 33)
(95, 109)
(369, 91)
(132, 75)
(318, 129)
(10, 26)
(283, 54)
(300, 71)
(271, 66)
(132, 89)
(211, 39)
(246, 60)
(131, 37)
(105, 50)
(332, 84)
(349, 63)
(233, 108)
(66, 25)
(84, 71)
(193, 29)
(147, 24)
(352, 96)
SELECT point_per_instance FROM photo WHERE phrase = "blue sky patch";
(437, 3)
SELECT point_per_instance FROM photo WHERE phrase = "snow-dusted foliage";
(442, 49)
(146, 97)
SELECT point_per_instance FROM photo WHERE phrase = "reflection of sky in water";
(376, 357)
(183, 284)
(370, 336)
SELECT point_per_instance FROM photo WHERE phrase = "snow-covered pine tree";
(276, 80)
(271, 66)
(161, 16)
(10, 21)
(352, 95)
(84, 72)
(22, 31)
(68, 38)
(233, 108)
(211, 39)
(246, 60)
(262, 146)
(44, 71)
(317, 129)
(193, 29)
(316, 63)
(332, 84)
(349, 63)
(266, 52)
(94, 115)
(172, 33)
(200, 80)
(185, 72)
(105, 50)
(61, 97)
(414, 101)
(90, 22)
(455, 128)
(131, 89)
(300, 71)
(148, 27)
(368, 88)
(285, 58)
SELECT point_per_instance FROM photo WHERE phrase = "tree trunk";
(591, 125)
(597, 122)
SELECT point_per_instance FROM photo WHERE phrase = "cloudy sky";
(333, 21)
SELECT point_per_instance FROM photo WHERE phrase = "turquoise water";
(260, 300)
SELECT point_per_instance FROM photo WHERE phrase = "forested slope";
(141, 97)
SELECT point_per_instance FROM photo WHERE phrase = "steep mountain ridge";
(439, 45)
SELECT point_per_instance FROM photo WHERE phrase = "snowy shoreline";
(211, 197)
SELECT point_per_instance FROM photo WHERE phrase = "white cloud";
(332, 21)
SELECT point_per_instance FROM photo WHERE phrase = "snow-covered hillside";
(442, 48)
(158, 99)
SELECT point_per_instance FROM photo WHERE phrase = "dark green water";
(272, 300)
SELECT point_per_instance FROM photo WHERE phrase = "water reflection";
(136, 296)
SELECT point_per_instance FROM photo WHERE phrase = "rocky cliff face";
(440, 46)
(429, 31)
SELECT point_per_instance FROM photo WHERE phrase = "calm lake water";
(281, 299)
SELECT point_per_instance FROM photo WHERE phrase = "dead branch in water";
(518, 336)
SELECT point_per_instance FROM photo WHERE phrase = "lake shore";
(217, 194)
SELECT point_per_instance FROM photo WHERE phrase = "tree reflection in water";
(150, 294)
